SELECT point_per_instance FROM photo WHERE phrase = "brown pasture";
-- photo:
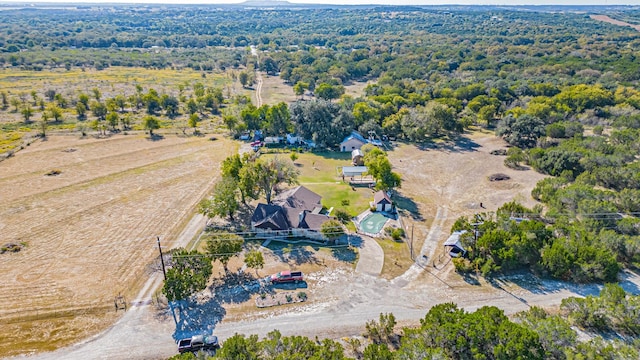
(89, 232)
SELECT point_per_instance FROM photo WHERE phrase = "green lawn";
(318, 173)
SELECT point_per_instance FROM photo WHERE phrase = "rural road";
(254, 52)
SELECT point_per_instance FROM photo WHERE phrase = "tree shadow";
(459, 144)
(628, 280)
(155, 137)
(193, 318)
(471, 279)
(407, 204)
(235, 288)
(288, 286)
(301, 255)
(346, 254)
(452, 144)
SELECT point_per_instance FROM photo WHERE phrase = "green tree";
(299, 89)
(27, 112)
(188, 274)
(272, 172)
(96, 94)
(329, 92)
(81, 110)
(278, 120)
(193, 122)
(223, 246)
(99, 110)
(150, 123)
(113, 119)
(293, 156)
(120, 101)
(223, 200)
(254, 260)
(54, 112)
(323, 122)
(377, 352)
(243, 77)
(5, 100)
(84, 100)
(239, 347)
(332, 230)
(522, 131)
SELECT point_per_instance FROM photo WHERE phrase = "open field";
(274, 90)
(610, 20)
(446, 180)
(110, 82)
(90, 231)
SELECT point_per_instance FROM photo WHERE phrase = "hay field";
(89, 232)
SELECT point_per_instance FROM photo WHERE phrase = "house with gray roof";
(293, 212)
(354, 141)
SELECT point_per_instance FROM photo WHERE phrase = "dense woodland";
(561, 88)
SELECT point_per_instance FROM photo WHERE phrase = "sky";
(363, 2)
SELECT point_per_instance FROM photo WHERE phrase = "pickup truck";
(197, 343)
(286, 276)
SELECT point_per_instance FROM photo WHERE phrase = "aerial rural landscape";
(271, 180)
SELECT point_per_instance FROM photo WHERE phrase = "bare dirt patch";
(606, 18)
(91, 229)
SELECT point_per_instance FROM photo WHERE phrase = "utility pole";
(164, 272)
(411, 247)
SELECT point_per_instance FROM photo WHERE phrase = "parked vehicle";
(286, 276)
(197, 343)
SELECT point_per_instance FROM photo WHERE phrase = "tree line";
(448, 332)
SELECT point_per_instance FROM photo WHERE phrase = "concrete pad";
(371, 257)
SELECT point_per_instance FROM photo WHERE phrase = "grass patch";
(318, 173)
(9, 141)
(397, 258)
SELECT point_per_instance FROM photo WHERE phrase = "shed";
(382, 201)
(454, 245)
(357, 157)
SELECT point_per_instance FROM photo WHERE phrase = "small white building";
(382, 201)
(357, 158)
(352, 142)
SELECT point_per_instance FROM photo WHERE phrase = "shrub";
(598, 129)
(302, 295)
(343, 216)
(289, 298)
(462, 265)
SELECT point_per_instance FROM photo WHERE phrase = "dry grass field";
(274, 90)
(446, 180)
(89, 232)
(112, 81)
(606, 18)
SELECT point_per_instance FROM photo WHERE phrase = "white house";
(352, 142)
